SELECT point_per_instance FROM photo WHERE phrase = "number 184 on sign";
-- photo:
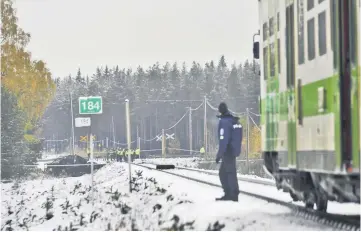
(90, 105)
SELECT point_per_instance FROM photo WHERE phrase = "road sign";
(159, 137)
(90, 105)
(85, 138)
(169, 136)
(82, 122)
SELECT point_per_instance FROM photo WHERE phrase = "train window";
(265, 63)
(278, 21)
(271, 27)
(319, 1)
(272, 60)
(265, 33)
(301, 33)
(353, 31)
(311, 38)
(310, 4)
(279, 55)
(322, 48)
(333, 31)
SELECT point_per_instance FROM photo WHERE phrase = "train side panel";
(300, 93)
(308, 118)
(316, 83)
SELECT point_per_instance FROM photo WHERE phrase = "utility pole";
(163, 144)
(72, 122)
(156, 120)
(127, 112)
(190, 131)
(113, 132)
(150, 131)
(205, 126)
(92, 165)
(138, 139)
(247, 154)
(144, 129)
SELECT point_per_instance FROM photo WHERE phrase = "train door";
(348, 83)
(291, 91)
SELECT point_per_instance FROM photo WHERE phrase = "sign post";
(90, 105)
(163, 144)
(92, 164)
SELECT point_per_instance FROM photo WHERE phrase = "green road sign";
(90, 105)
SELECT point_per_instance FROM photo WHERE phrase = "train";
(309, 55)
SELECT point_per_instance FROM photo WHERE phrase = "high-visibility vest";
(137, 152)
(202, 151)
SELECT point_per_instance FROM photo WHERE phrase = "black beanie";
(222, 108)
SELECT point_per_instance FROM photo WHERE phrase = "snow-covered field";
(158, 202)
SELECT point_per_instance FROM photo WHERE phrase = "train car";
(309, 51)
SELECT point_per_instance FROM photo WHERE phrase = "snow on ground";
(193, 163)
(49, 156)
(271, 191)
(158, 202)
(97, 161)
(181, 162)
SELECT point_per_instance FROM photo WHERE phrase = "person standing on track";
(230, 140)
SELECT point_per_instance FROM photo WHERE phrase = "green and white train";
(309, 52)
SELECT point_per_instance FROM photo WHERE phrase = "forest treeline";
(181, 86)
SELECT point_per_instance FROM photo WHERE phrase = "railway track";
(337, 221)
(263, 182)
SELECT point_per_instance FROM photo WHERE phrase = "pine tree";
(12, 124)
(79, 79)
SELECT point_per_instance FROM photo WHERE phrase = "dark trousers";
(228, 176)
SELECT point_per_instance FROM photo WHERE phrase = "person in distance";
(230, 140)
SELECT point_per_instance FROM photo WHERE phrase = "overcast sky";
(68, 34)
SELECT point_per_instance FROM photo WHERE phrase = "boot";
(224, 198)
(234, 198)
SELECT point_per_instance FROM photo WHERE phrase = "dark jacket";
(229, 135)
